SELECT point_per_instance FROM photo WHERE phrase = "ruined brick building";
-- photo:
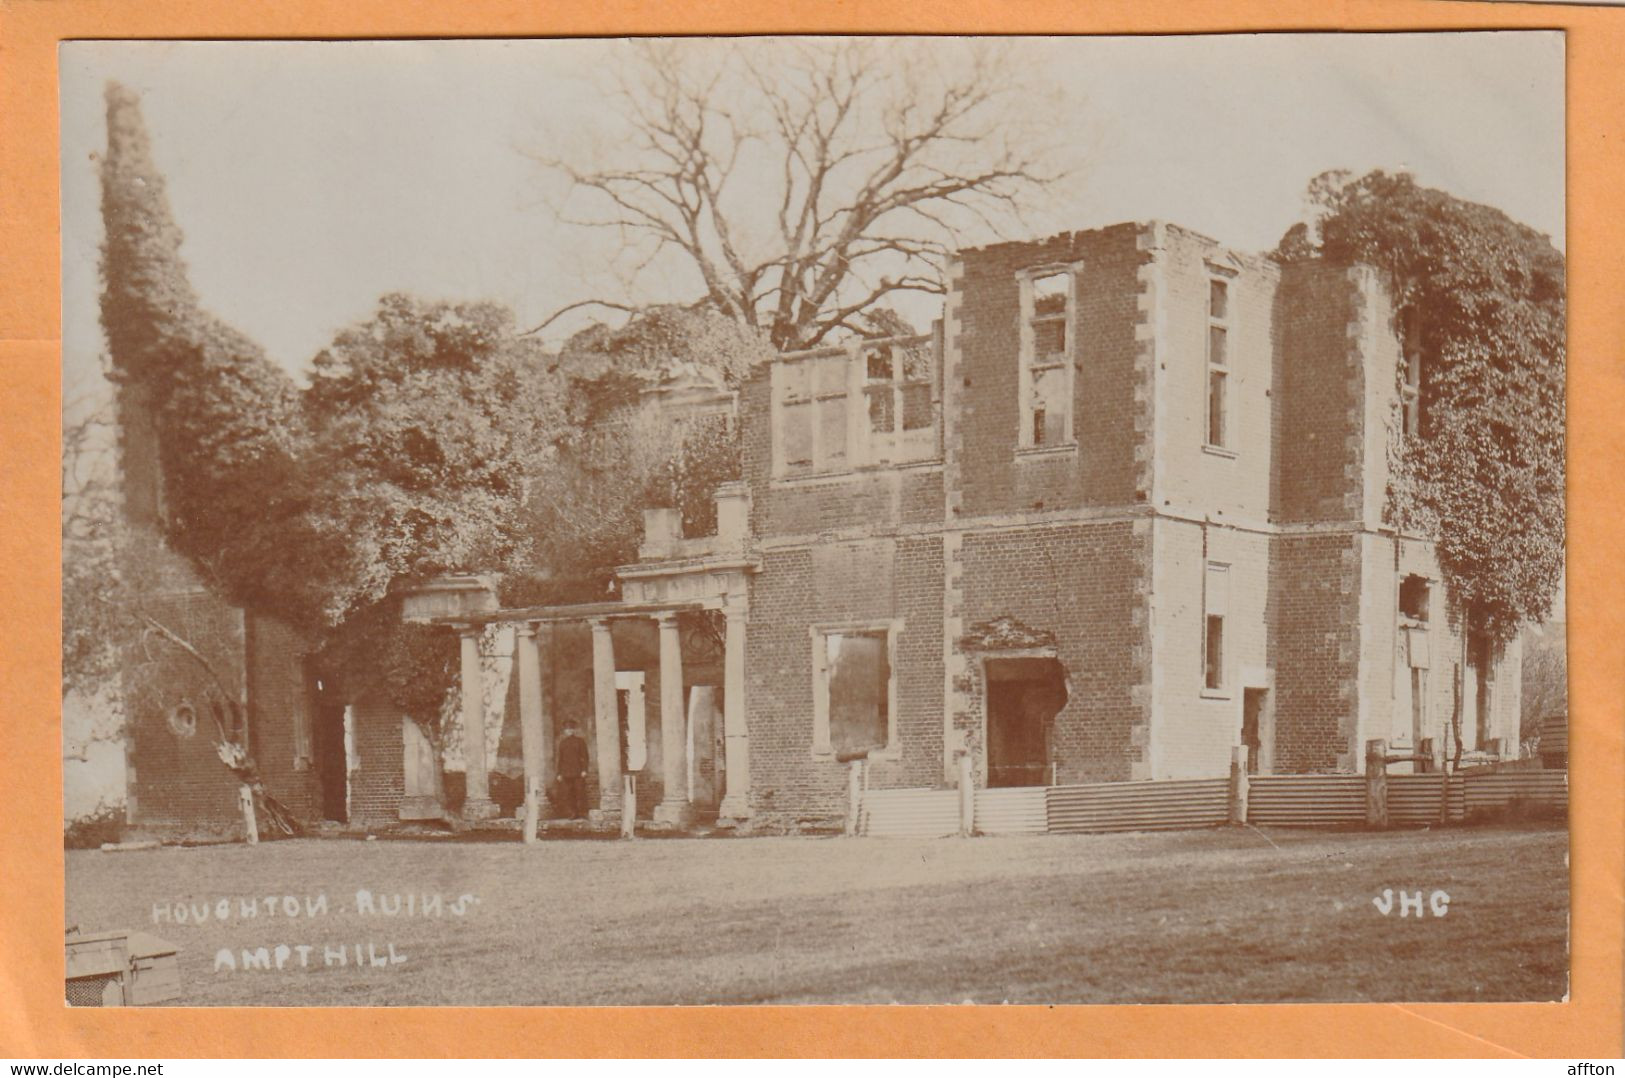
(172, 700)
(1123, 510)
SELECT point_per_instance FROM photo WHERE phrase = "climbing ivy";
(1485, 298)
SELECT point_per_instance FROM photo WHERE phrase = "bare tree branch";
(856, 174)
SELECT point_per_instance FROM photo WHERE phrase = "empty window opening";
(812, 414)
(1216, 603)
(898, 380)
(1218, 362)
(1023, 697)
(332, 758)
(1258, 730)
(1047, 366)
(837, 410)
(1413, 598)
(856, 706)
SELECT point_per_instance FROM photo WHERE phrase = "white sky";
(311, 178)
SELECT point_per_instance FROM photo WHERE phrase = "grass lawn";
(1231, 915)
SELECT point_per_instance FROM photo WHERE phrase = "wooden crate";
(120, 968)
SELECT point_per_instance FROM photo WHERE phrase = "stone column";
(547, 756)
(606, 719)
(530, 723)
(736, 741)
(477, 803)
(673, 807)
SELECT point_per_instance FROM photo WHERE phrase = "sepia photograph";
(814, 520)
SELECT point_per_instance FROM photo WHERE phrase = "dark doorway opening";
(332, 765)
(1256, 732)
(1023, 697)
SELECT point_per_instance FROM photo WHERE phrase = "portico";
(688, 588)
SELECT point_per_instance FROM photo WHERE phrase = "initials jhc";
(1411, 904)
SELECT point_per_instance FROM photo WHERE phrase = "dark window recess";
(881, 409)
(1413, 598)
(1213, 664)
(917, 406)
(1215, 408)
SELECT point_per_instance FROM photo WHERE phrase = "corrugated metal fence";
(1272, 801)
(1413, 800)
(1306, 800)
(1138, 806)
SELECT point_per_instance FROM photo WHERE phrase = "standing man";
(572, 768)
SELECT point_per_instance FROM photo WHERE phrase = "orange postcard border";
(35, 1024)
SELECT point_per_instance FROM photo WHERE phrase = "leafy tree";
(1485, 297)
(871, 161)
(1545, 677)
(617, 455)
(429, 422)
(92, 542)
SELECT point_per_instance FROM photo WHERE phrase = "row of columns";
(536, 735)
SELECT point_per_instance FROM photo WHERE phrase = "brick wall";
(1088, 584)
(858, 581)
(1105, 468)
(1314, 617)
(175, 778)
(1321, 411)
(278, 701)
(377, 783)
(806, 506)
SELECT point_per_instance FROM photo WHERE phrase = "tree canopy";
(1485, 298)
(428, 423)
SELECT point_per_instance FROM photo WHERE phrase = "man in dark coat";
(572, 767)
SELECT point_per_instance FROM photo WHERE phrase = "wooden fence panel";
(1014, 810)
(1306, 800)
(915, 813)
(1160, 805)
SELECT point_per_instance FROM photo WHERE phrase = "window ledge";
(1044, 452)
(1216, 694)
(1219, 451)
(889, 754)
(812, 478)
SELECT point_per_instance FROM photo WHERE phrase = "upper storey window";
(897, 382)
(1048, 327)
(811, 394)
(865, 406)
(1218, 362)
